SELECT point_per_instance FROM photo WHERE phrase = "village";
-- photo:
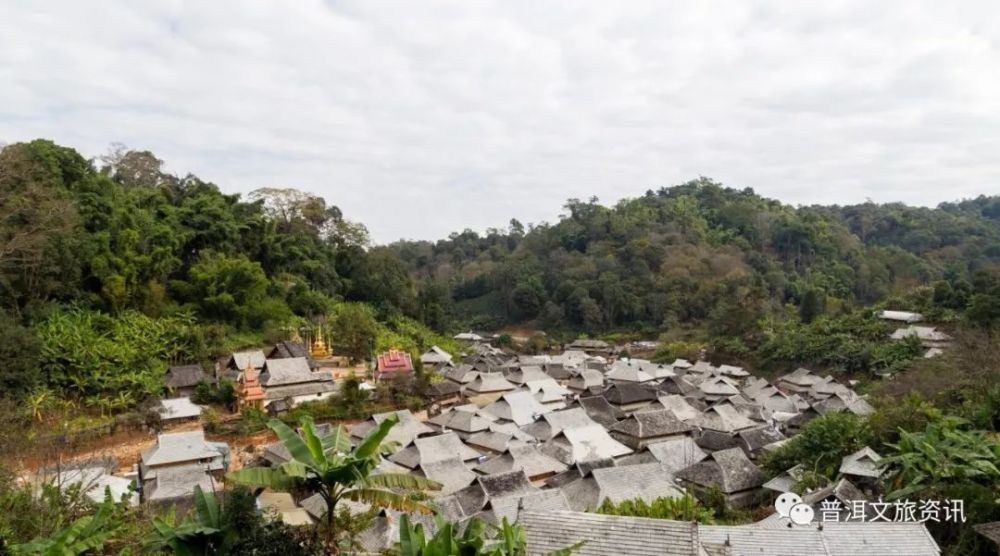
(541, 441)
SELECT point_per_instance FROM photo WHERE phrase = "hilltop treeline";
(101, 252)
(123, 234)
(703, 254)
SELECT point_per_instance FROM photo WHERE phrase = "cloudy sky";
(421, 118)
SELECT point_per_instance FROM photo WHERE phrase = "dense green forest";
(701, 253)
(702, 262)
(114, 263)
(111, 268)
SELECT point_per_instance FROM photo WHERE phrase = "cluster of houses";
(934, 340)
(541, 440)
(286, 375)
(544, 439)
(165, 475)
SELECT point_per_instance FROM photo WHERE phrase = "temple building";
(249, 392)
(392, 364)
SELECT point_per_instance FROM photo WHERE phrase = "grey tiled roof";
(432, 449)
(786, 481)
(520, 407)
(702, 367)
(526, 373)
(302, 389)
(624, 371)
(646, 482)
(832, 539)
(624, 393)
(728, 469)
(617, 535)
(496, 509)
(491, 440)
(732, 370)
(462, 421)
(179, 481)
(650, 424)
(503, 484)
(677, 454)
(435, 355)
(462, 374)
(800, 377)
(588, 378)
(862, 463)
(600, 410)
(605, 535)
(719, 386)
(179, 447)
(403, 433)
(444, 388)
(473, 498)
(756, 438)
(186, 376)
(526, 458)
(989, 530)
(680, 407)
(547, 390)
(723, 418)
(676, 385)
(451, 472)
(552, 423)
(584, 444)
(490, 382)
(241, 359)
(842, 490)
(294, 370)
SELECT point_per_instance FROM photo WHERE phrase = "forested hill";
(110, 269)
(120, 233)
(121, 236)
(703, 254)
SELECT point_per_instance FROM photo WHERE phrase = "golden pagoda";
(249, 392)
(319, 349)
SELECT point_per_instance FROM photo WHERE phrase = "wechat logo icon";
(789, 505)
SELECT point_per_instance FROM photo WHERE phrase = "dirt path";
(126, 448)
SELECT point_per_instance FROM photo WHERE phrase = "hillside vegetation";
(704, 256)
(111, 269)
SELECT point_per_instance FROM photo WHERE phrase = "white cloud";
(421, 118)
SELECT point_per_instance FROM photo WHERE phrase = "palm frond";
(386, 499)
(292, 441)
(337, 442)
(400, 480)
(311, 439)
(370, 445)
(263, 477)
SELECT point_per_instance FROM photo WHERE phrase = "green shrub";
(821, 445)
(686, 508)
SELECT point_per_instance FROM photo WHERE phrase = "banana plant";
(943, 453)
(331, 468)
(201, 532)
(508, 540)
(86, 535)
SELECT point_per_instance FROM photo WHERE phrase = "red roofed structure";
(393, 363)
(249, 392)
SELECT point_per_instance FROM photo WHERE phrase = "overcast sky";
(422, 118)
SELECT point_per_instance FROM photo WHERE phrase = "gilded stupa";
(319, 349)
